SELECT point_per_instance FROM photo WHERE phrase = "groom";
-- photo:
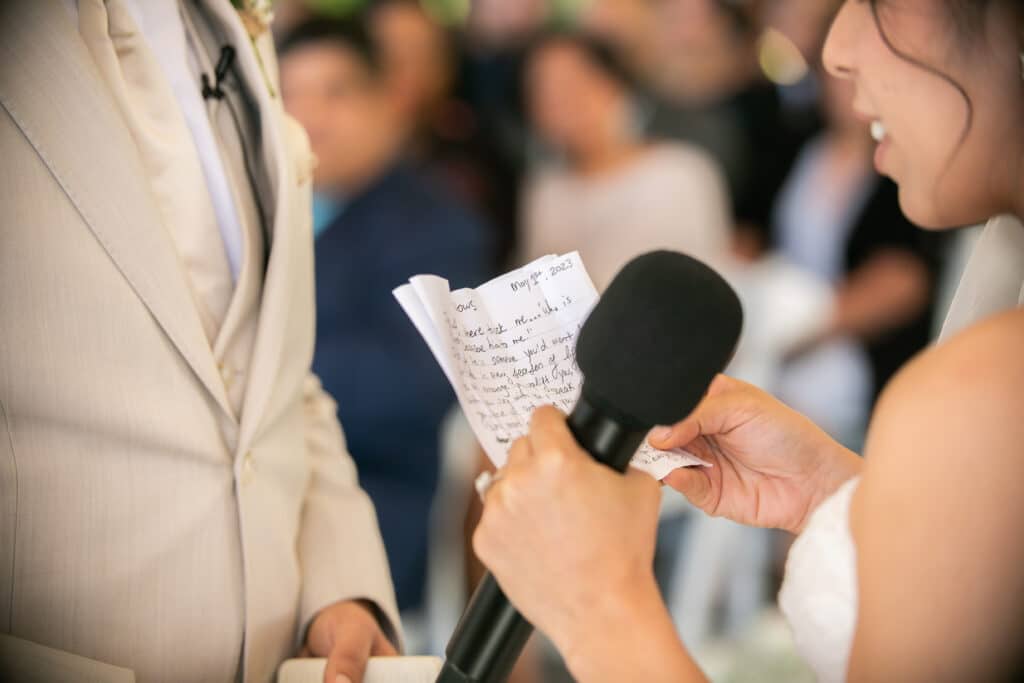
(176, 499)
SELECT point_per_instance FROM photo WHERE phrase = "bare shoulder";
(953, 419)
(938, 512)
(976, 377)
(948, 430)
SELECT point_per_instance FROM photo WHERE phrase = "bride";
(909, 564)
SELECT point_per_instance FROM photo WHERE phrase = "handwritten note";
(508, 347)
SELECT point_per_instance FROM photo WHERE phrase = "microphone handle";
(491, 633)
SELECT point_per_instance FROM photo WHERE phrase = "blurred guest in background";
(710, 91)
(614, 195)
(789, 52)
(495, 39)
(288, 14)
(629, 25)
(417, 57)
(805, 24)
(837, 218)
(448, 137)
(389, 223)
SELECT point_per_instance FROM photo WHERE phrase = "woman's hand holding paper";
(770, 466)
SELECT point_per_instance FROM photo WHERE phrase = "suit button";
(226, 374)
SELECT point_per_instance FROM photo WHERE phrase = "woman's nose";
(838, 53)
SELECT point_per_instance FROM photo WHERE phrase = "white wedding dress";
(819, 593)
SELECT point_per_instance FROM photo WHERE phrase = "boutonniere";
(256, 16)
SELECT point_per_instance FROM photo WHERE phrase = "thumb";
(726, 405)
(692, 482)
(677, 436)
(346, 662)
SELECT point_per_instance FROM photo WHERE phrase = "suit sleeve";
(339, 548)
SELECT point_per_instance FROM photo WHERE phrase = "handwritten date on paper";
(508, 347)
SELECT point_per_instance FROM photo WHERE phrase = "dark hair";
(349, 34)
(597, 51)
(967, 15)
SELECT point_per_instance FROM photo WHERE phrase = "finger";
(714, 415)
(486, 539)
(549, 432)
(510, 487)
(722, 383)
(486, 491)
(692, 482)
(346, 662)
(520, 452)
(483, 483)
(383, 647)
(678, 435)
(688, 429)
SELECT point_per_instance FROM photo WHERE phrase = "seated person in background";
(840, 220)
(389, 224)
(616, 195)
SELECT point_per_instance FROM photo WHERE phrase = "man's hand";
(347, 634)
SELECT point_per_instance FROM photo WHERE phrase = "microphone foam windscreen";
(666, 325)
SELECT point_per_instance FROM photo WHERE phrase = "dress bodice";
(819, 594)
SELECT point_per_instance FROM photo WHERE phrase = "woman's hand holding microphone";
(571, 542)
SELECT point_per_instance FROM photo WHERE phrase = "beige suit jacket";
(141, 524)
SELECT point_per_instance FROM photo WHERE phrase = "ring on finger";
(484, 481)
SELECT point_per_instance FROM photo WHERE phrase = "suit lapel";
(49, 86)
(273, 326)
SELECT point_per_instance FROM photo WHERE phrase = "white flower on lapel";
(256, 15)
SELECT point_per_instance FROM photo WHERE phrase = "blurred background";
(468, 137)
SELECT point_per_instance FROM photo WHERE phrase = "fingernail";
(661, 433)
(342, 678)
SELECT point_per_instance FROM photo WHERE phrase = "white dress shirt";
(162, 27)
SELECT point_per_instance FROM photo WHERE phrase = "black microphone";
(666, 325)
